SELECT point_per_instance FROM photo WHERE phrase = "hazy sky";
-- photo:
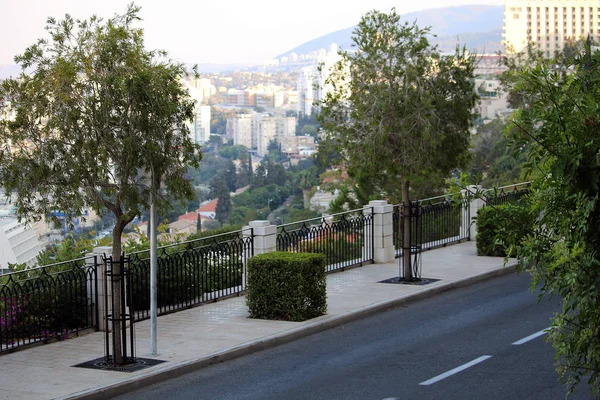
(216, 31)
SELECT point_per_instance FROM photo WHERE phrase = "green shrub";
(286, 286)
(500, 228)
(337, 247)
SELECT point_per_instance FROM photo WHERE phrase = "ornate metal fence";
(191, 273)
(508, 194)
(346, 239)
(46, 303)
(436, 222)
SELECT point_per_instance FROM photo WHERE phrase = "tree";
(95, 111)
(243, 179)
(560, 123)
(221, 191)
(398, 111)
(231, 176)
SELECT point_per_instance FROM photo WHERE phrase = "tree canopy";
(559, 121)
(397, 110)
(99, 122)
(96, 110)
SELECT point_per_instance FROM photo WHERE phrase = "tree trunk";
(406, 232)
(117, 293)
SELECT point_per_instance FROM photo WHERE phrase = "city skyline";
(226, 32)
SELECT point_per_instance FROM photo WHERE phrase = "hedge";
(501, 227)
(286, 286)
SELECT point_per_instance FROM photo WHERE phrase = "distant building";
(549, 23)
(19, 243)
(239, 129)
(200, 126)
(492, 101)
(264, 127)
(311, 84)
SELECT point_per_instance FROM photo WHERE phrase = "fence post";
(265, 236)
(475, 205)
(99, 253)
(382, 236)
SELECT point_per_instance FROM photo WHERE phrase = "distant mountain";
(479, 27)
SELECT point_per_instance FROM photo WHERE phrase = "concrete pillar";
(265, 240)
(382, 234)
(265, 236)
(473, 192)
(99, 252)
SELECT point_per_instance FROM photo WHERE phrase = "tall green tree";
(93, 109)
(560, 122)
(224, 205)
(398, 110)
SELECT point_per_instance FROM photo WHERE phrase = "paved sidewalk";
(211, 333)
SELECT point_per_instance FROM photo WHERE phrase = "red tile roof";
(192, 216)
(209, 207)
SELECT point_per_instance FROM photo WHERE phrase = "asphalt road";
(482, 342)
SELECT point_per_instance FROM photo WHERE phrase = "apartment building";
(19, 243)
(311, 84)
(549, 23)
(264, 128)
(239, 129)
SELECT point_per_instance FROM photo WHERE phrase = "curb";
(175, 370)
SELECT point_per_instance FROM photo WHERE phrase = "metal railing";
(346, 239)
(49, 302)
(435, 222)
(507, 194)
(191, 273)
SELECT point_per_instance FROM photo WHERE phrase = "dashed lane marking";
(454, 371)
(531, 337)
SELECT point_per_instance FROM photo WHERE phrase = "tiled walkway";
(214, 332)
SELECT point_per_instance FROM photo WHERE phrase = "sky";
(207, 31)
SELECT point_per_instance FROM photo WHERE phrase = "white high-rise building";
(239, 129)
(265, 128)
(549, 23)
(311, 82)
(201, 126)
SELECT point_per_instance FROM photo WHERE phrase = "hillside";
(479, 27)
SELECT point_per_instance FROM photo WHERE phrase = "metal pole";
(153, 286)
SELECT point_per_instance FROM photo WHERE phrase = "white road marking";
(531, 337)
(454, 371)
(391, 398)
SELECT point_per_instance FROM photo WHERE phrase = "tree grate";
(130, 366)
(416, 281)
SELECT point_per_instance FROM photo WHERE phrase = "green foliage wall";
(501, 229)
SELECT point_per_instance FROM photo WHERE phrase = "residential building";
(492, 101)
(19, 242)
(549, 24)
(311, 83)
(286, 126)
(200, 126)
(264, 129)
(239, 129)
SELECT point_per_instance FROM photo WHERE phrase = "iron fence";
(435, 222)
(191, 273)
(49, 302)
(506, 195)
(346, 239)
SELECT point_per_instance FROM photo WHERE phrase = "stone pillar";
(99, 252)
(382, 234)
(476, 203)
(265, 236)
(265, 240)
